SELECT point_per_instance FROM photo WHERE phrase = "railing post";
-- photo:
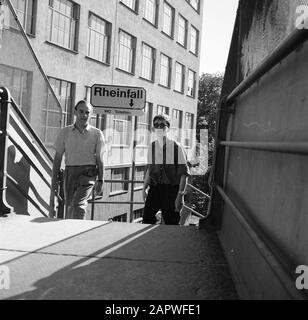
(5, 99)
(131, 211)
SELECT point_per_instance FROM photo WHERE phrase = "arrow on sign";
(131, 102)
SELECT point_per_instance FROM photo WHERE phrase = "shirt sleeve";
(59, 145)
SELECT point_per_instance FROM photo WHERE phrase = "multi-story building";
(154, 44)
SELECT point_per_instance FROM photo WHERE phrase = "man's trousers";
(78, 185)
(161, 197)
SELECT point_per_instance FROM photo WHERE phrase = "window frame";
(156, 13)
(172, 20)
(189, 130)
(132, 49)
(108, 35)
(185, 31)
(169, 71)
(193, 95)
(148, 113)
(196, 52)
(198, 5)
(25, 108)
(127, 123)
(25, 22)
(139, 185)
(182, 78)
(136, 6)
(68, 116)
(124, 176)
(153, 62)
(74, 18)
(176, 128)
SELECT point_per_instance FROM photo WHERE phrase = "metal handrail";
(198, 190)
(281, 147)
(194, 212)
(30, 161)
(289, 45)
(285, 277)
(35, 57)
(15, 184)
(30, 129)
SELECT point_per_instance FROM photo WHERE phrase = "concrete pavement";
(65, 259)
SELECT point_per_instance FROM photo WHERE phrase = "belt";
(88, 171)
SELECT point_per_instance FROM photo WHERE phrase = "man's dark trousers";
(161, 197)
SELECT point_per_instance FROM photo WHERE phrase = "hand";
(145, 194)
(52, 211)
(99, 188)
(179, 202)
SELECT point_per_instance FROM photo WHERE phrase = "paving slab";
(50, 259)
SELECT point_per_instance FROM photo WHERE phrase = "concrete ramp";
(65, 259)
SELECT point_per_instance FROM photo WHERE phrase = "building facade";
(154, 44)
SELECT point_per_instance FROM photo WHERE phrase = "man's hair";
(162, 117)
(83, 102)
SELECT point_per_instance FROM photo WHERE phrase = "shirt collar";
(85, 130)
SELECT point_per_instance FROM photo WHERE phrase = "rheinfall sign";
(118, 99)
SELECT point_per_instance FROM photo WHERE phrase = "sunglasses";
(160, 125)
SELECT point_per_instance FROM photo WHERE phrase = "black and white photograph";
(153, 153)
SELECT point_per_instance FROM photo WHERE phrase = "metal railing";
(93, 201)
(23, 130)
(271, 253)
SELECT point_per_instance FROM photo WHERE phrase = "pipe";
(281, 147)
(283, 50)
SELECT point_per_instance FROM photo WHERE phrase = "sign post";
(121, 100)
(109, 99)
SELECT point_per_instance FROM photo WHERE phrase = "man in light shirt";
(83, 146)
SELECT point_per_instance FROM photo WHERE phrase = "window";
(26, 12)
(179, 77)
(121, 130)
(168, 22)
(150, 11)
(194, 38)
(148, 62)
(132, 4)
(163, 110)
(119, 174)
(191, 92)
(165, 70)
(126, 58)
(139, 176)
(195, 4)
(176, 123)
(99, 38)
(138, 214)
(144, 125)
(63, 20)
(182, 31)
(50, 112)
(188, 132)
(19, 82)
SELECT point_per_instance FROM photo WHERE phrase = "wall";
(268, 188)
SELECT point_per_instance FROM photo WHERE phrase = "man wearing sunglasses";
(166, 176)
